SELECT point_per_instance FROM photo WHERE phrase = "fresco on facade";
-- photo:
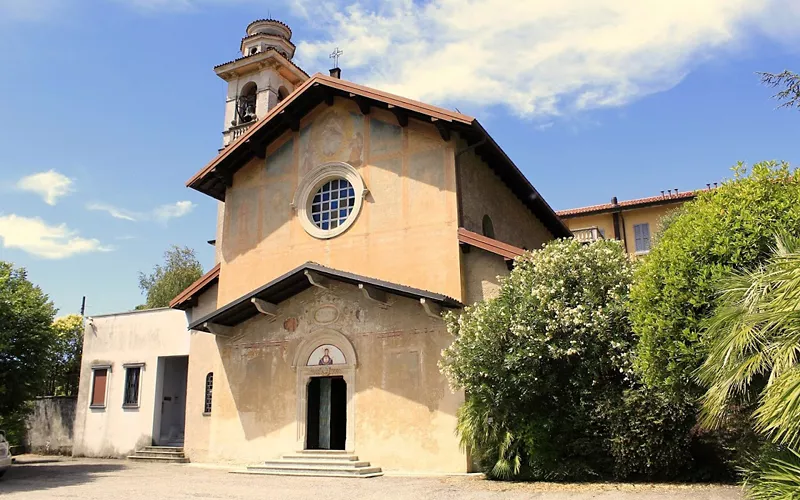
(384, 138)
(241, 210)
(356, 157)
(326, 354)
(280, 161)
(335, 135)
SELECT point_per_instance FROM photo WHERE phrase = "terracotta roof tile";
(183, 300)
(638, 202)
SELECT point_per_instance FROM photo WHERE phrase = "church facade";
(349, 221)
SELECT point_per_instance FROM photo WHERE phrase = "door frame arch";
(305, 373)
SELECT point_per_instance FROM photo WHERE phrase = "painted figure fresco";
(326, 355)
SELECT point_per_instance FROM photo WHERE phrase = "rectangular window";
(132, 375)
(641, 234)
(99, 379)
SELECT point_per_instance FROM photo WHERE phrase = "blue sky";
(108, 106)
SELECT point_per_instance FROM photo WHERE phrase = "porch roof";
(297, 280)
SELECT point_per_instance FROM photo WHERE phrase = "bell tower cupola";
(263, 76)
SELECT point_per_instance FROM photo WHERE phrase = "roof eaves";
(551, 219)
(492, 245)
(245, 301)
(628, 204)
(202, 283)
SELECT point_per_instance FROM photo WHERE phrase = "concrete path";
(37, 478)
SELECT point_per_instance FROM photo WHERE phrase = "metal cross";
(335, 56)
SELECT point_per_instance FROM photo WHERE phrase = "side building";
(633, 222)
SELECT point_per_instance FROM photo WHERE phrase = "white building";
(133, 383)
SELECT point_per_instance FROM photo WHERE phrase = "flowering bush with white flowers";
(535, 360)
(547, 368)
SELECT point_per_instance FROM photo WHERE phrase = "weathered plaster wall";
(406, 231)
(49, 426)
(481, 272)
(481, 192)
(403, 408)
(135, 337)
(203, 357)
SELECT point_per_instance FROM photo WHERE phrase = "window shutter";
(99, 393)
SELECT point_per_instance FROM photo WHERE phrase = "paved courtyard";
(35, 478)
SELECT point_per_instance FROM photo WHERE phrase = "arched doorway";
(326, 366)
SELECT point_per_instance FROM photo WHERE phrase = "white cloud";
(535, 57)
(177, 209)
(36, 237)
(117, 213)
(162, 213)
(50, 185)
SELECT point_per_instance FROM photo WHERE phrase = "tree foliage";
(754, 361)
(790, 84)
(26, 341)
(731, 227)
(536, 361)
(180, 269)
(64, 365)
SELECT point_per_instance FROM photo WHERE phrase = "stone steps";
(160, 454)
(322, 463)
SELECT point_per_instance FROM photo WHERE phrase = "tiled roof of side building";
(186, 298)
(664, 199)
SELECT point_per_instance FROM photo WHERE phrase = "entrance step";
(160, 454)
(316, 463)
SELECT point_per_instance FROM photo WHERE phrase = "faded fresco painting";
(384, 138)
(326, 354)
(241, 213)
(335, 135)
(280, 161)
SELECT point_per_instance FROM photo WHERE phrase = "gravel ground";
(37, 478)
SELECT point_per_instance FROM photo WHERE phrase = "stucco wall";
(481, 274)
(651, 215)
(115, 340)
(203, 357)
(406, 231)
(404, 412)
(49, 426)
(481, 192)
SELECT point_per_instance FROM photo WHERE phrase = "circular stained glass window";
(332, 204)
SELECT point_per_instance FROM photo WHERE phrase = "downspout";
(624, 234)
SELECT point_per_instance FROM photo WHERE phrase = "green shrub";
(731, 227)
(536, 361)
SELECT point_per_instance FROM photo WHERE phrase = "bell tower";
(262, 77)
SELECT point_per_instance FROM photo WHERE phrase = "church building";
(349, 221)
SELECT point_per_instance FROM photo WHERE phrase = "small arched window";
(209, 387)
(488, 227)
(253, 50)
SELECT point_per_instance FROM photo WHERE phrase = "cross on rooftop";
(335, 56)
